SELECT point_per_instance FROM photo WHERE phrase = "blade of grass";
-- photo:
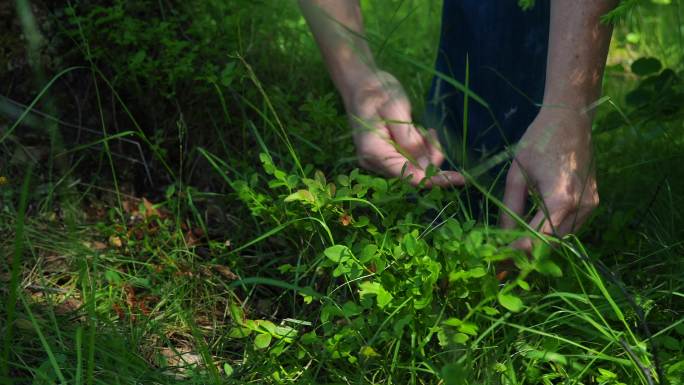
(14, 279)
(43, 341)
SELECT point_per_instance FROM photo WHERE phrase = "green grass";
(267, 258)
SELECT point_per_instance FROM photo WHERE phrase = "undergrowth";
(255, 251)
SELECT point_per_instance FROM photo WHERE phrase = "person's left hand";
(554, 159)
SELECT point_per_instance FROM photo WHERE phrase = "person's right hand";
(386, 139)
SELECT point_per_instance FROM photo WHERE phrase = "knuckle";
(412, 143)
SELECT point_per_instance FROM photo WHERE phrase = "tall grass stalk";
(11, 302)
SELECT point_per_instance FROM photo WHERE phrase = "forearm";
(337, 26)
(578, 46)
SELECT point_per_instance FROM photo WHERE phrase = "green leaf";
(227, 369)
(239, 332)
(368, 352)
(262, 341)
(466, 275)
(548, 267)
(113, 277)
(646, 66)
(442, 338)
(237, 314)
(526, 4)
(453, 322)
(266, 325)
(343, 180)
(451, 230)
(633, 37)
(606, 375)
(410, 244)
(670, 343)
(309, 338)
(477, 272)
(285, 331)
(460, 338)
(337, 253)
(368, 252)
(468, 328)
(302, 196)
(350, 309)
(511, 302)
(490, 311)
(680, 329)
(401, 323)
(383, 297)
(267, 163)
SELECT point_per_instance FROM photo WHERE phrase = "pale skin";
(553, 160)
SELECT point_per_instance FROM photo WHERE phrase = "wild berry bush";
(389, 278)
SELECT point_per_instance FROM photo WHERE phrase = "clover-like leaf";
(337, 253)
(262, 341)
(510, 302)
(302, 196)
(382, 296)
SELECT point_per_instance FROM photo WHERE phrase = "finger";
(397, 116)
(579, 216)
(376, 153)
(574, 221)
(548, 221)
(434, 149)
(515, 196)
(446, 179)
(398, 165)
(545, 222)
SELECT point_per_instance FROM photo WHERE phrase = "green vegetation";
(181, 204)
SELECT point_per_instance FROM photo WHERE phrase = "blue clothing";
(505, 48)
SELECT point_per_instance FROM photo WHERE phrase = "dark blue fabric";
(506, 49)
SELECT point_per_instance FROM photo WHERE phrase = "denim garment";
(506, 50)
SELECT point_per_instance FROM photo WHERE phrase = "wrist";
(561, 121)
(350, 75)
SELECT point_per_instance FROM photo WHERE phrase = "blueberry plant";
(386, 269)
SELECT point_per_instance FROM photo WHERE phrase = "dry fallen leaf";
(129, 206)
(225, 272)
(180, 357)
(150, 210)
(190, 238)
(68, 306)
(131, 301)
(97, 245)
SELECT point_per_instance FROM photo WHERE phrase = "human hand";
(386, 139)
(554, 159)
